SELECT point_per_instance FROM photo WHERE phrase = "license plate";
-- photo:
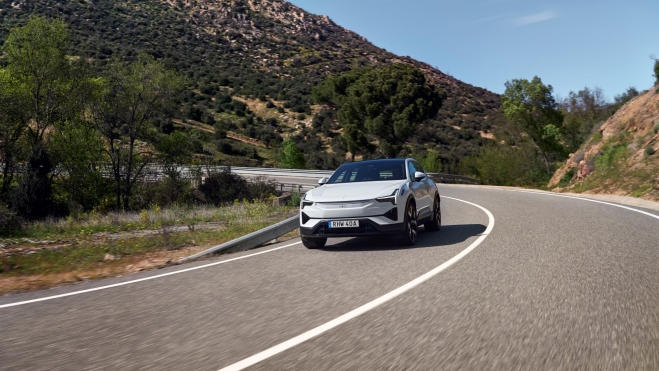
(344, 224)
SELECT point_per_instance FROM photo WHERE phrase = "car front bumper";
(367, 227)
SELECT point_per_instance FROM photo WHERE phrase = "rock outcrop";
(634, 126)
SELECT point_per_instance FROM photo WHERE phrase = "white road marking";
(583, 199)
(142, 279)
(366, 307)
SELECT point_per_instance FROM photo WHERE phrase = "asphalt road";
(558, 284)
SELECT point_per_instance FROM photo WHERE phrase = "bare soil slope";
(621, 157)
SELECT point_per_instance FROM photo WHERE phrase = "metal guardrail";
(297, 188)
(449, 178)
(251, 240)
(154, 172)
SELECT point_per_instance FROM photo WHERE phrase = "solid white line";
(141, 279)
(583, 199)
(366, 307)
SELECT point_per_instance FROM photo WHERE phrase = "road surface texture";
(558, 284)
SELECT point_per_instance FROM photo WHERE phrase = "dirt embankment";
(621, 157)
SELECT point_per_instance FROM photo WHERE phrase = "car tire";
(314, 243)
(435, 223)
(411, 229)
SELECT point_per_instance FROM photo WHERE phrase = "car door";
(426, 204)
(419, 190)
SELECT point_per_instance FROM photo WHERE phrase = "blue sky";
(569, 44)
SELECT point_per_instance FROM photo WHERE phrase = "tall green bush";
(290, 156)
(510, 166)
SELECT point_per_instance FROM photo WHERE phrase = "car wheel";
(410, 234)
(436, 223)
(314, 243)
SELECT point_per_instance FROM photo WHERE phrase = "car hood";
(354, 191)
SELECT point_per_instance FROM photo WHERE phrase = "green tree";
(582, 111)
(13, 124)
(509, 166)
(79, 149)
(379, 109)
(32, 199)
(531, 105)
(47, 88)
(134, 94)
(656, 71)
(431, 162)
(174, 149)
(37, 62)
(290, 156)
(220, 129)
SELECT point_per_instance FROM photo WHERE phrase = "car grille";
(363, 228)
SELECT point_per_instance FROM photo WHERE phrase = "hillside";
(621, 157)
(255, 60)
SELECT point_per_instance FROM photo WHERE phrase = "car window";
(418, 167)
(369, 171)
(411, 169)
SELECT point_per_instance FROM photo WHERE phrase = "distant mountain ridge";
(258, 48)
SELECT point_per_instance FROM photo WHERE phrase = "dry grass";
(100, 246)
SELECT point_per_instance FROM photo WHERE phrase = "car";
(371, 198)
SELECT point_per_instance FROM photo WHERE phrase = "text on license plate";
(344, 224)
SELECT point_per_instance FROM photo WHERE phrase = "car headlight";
(391, 198)
(305, 202)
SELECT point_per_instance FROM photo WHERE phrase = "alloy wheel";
(411, 223)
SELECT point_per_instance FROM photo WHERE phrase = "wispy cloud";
(535, 18)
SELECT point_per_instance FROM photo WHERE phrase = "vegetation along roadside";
(93, 246)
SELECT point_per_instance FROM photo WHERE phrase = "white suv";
(367, 198)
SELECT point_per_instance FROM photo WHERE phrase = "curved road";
(558, 283)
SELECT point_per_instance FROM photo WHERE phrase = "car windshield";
(369, 171)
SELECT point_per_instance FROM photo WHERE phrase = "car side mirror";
(419, 175)
(322, 181)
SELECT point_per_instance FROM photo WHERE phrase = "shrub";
(649, 151)
(295, 199)
(567, 178)
(261, 188)
(503, 165)
(610, 155)
(656, 128)
(9, 221)
(208, 119)
(597, 137)
(167, 192)
(290, 156)
(191, 112)
(225, 187)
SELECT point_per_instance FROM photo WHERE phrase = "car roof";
(378, 160)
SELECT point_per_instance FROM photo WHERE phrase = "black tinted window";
(418, 167)
(369, 171)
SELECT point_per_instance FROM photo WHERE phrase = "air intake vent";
(392, 214)
(305, 218)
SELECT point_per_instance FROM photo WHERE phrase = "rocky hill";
(258, 59)
(621, 157)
